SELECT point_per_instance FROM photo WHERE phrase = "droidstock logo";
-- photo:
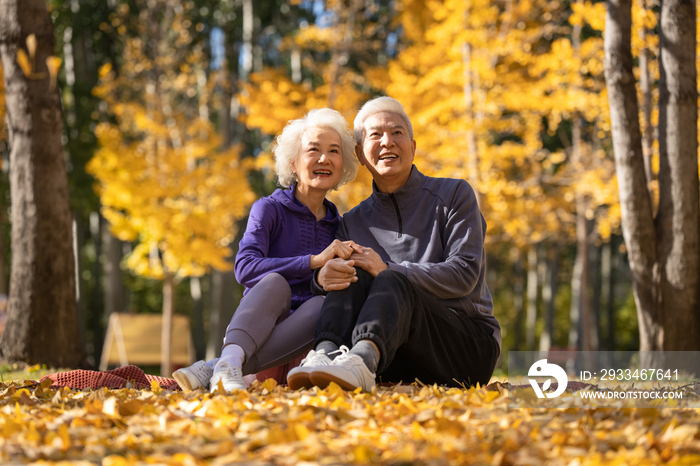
(542, 368)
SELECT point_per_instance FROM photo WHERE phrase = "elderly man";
(414, 304)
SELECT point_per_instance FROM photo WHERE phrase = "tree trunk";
(3, 256)
(518, 304)
(635, 202)
(575, 308)
(580, 332)
(614, 267)
(677, 225)
(594, 259)
(532, 286)
(606, 291)
(42, 325)
(222, 289)
(198, 318)
(93, 346)
(549, 292)
(166, 360)
(114, 285)
(114, 292)
(80, 282)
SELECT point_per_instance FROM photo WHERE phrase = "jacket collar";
(287, 199)
(404, 196)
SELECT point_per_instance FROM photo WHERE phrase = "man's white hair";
(288, 145)
(377, 105)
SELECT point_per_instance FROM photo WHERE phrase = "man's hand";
(342, 249)
(370, 261)
(337, 274)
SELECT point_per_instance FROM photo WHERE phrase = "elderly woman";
(289, 234)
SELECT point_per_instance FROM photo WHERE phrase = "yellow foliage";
(420, 424)
(272, 100)
(517, 75)
(163, 178)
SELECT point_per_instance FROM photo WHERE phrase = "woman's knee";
(275, 284)
(271, 295)
(273, 279)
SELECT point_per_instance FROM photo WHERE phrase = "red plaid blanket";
(116, 378)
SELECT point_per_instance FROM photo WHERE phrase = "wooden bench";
(135, 339)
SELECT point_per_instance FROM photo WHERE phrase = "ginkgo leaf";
(24, 63)
(31, 45)
(53, 64)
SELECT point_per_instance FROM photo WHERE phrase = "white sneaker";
(195, 376)
(299, 376)
(347, 370)
(231, 378)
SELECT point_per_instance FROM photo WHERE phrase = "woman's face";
(320, 160)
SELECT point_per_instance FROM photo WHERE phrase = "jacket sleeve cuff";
(317, 289)
(398, 268)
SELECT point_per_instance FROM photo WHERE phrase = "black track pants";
(417, 336)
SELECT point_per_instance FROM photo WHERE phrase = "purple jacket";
(280, 237)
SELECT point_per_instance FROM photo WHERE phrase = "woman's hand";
(342, 249)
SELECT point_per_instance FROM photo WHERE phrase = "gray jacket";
(430, 230)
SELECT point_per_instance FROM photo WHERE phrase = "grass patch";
(19, 372)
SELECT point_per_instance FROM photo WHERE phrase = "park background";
(170, 109)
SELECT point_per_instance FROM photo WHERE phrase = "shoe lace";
(231, 374)
(344, 355)
(315, 358)
(201, 370)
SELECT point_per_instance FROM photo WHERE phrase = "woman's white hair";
(288, 145)
(377, 105)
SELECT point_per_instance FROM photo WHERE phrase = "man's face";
(387, 149)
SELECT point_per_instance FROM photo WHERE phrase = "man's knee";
(392, 277)
(362, 274)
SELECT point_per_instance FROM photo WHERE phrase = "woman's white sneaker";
(231, 378)
(195, 376)
(299, 376)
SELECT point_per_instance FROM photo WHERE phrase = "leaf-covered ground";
(272, 425)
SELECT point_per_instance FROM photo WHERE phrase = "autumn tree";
(663, 249)
(164, 180)
(42, 320)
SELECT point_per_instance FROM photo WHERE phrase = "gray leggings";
(263, 327)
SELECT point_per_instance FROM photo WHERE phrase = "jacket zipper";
(398, 213)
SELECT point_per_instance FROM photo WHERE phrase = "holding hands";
(341, 249)
(339, 273)
(370, 261)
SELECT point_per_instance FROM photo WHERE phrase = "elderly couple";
(395, 289)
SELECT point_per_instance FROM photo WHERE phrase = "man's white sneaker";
(299, 376)
(347, 370)
(231, 378)
(195, 376)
